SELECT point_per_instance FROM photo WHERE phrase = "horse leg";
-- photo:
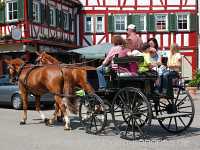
(62, 103)
(59, 116)
(37, 107)
(66, 114)
(55, 114)
(24, 96)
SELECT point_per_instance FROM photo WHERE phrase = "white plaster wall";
(130, 2)
(143, 2)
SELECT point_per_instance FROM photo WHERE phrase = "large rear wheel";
(176, 114)
(130, 111)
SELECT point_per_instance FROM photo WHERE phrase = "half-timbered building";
(38, 24)
(168, 21)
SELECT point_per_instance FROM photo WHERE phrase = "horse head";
(14, 68)
(44, 58)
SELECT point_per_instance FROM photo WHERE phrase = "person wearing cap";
(134, 42)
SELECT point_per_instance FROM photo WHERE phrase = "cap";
(131, 26)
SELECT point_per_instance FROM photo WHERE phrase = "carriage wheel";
(92, 113)
(176, 114)
(130, 111)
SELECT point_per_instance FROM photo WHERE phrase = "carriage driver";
(134, 42)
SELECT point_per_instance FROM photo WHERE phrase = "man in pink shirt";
(133, 40)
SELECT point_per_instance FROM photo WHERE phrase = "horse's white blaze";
(42, 115)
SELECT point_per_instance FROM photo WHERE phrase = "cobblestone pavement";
(37, 136)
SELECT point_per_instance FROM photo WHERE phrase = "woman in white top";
(174, 65)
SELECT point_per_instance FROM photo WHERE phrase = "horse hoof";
(46, 121)
(67, 128)
(22, 123)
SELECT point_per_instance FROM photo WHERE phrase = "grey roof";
(92, 52)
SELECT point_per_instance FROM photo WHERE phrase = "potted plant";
(194, 83)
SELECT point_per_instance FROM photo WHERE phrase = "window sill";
(161, 30)
(120, 31)
(10, 21)
(183, 30)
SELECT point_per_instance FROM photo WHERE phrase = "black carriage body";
(133, 99)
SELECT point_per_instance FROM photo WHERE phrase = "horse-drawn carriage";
(133, 104)
(131, 101)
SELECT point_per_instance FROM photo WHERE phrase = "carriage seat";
(129, 62)
(132, 73)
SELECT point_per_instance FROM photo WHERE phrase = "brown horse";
(46, 59)
(50, 78)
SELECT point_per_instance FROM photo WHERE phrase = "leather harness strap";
(35, 67)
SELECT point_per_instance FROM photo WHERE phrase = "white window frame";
(125, 23)
(102, 24)
(188, 22)
(92, 24)
(66, 21)
(7, 12)
(52, 22)
(166, 22)
(37, 13)
(145, 22)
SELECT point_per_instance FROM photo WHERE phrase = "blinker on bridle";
(16, 76)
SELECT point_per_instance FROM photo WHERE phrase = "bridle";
(16, 73)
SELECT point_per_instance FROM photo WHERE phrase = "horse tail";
(83, 81)
(70, 100)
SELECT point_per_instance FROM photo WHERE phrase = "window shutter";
(129, 19)
(42, 13)
(20, 7)
(193, 22)
(136, 22)
(70, 22)
(62, 20)
(30, 9)
(47, 15)
(57, 18)
(172, 22)
(111, 23)
(150, 23)
(2, 16)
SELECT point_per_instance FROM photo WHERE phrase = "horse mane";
(53, 60)
(50, 58)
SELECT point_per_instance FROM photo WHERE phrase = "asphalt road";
(36, 136)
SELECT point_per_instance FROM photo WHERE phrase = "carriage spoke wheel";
(92, 113)
(176, 114)
(130, 111)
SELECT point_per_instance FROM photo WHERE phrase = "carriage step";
(173, 115)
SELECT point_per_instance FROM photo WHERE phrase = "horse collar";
(20, 70)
